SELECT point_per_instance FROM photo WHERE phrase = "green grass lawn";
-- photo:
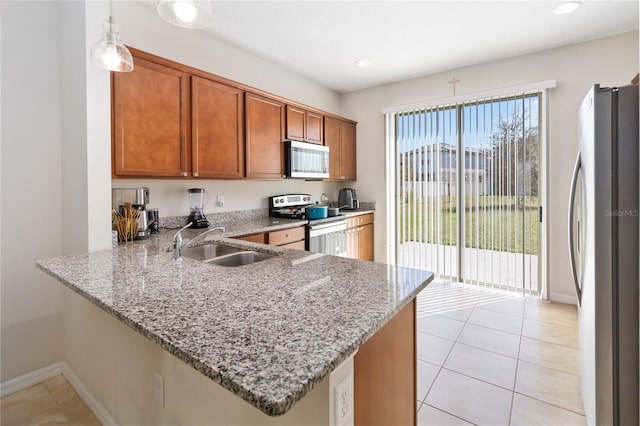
(491, 222)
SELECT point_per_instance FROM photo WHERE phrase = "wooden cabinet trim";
(195, 71)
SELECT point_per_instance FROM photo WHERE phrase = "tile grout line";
(440, 367)
(440, 370)
(453, 415)
(551, 404)
(515, 376)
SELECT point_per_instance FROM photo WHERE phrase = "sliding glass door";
(467, 191)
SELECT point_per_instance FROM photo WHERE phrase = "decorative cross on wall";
(453, 82)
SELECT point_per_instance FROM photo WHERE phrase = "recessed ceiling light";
(566, 7)
(363, 62)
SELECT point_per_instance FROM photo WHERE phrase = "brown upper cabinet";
(304, 125)
(340, 137)
(150, 121)
(264, 136)
(170, 120)
(217, 117)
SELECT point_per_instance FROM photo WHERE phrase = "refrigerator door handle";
(572, 196)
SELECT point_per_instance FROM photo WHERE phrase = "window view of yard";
(491, 222)
(493, 200)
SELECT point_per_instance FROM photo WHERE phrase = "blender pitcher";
(198, 198)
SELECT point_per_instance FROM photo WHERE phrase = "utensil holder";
(126, 226)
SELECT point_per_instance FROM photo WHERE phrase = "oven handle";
(317, 230)
(338, 224)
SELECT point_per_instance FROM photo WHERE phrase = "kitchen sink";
(240, 258)
(208, 252)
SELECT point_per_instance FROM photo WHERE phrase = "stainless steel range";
(328, 235)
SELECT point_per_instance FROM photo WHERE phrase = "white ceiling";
(321, 40)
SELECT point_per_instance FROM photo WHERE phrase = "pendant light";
(186, 13)
(109, 52)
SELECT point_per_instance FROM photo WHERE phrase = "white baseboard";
(563, 298)
(87, 396)
(29, 379)
(45, 373)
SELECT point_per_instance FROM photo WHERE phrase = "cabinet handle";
(185, 174)
(196, 174)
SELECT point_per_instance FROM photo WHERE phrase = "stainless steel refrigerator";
(603, 243)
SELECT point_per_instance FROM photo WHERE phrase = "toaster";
(347, 199)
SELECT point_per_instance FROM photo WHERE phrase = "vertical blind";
(466, 189)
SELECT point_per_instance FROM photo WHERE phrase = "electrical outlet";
(343, 402)
(158, 388)
(220, 201)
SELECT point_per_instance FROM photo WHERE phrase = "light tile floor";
(488, 357)
(52, 402)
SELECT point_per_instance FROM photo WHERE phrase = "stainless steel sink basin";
(208, 252)
(240, 258)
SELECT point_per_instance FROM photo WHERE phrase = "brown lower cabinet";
(385, 373)
(293, 238)
(254, 238)
(360, 237)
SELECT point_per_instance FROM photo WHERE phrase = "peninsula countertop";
(268, 332)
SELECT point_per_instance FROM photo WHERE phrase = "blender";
(197, 200)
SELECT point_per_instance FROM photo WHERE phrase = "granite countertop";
(268, 332)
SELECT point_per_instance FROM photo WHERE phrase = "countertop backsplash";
(217, 219)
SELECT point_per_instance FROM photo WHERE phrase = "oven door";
(328, 238)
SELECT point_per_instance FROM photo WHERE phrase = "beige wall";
(31, 308)
(609, 61)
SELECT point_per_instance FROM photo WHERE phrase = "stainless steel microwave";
(304, 160)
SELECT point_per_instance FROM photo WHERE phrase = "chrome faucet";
(177, 240)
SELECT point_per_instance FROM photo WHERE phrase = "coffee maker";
(139, 198)
(198, 198)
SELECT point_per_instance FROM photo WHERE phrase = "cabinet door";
(217, 138)
(314, 127)
(286, 236)
(348, 151)
(254, 238)
(332, 141)
(295, 123)
(150, 121)
(384, 382)
(365, 243)
(264, 131)
(298, 245)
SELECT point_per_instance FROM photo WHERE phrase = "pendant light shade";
(186, 13)
(109, 52)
